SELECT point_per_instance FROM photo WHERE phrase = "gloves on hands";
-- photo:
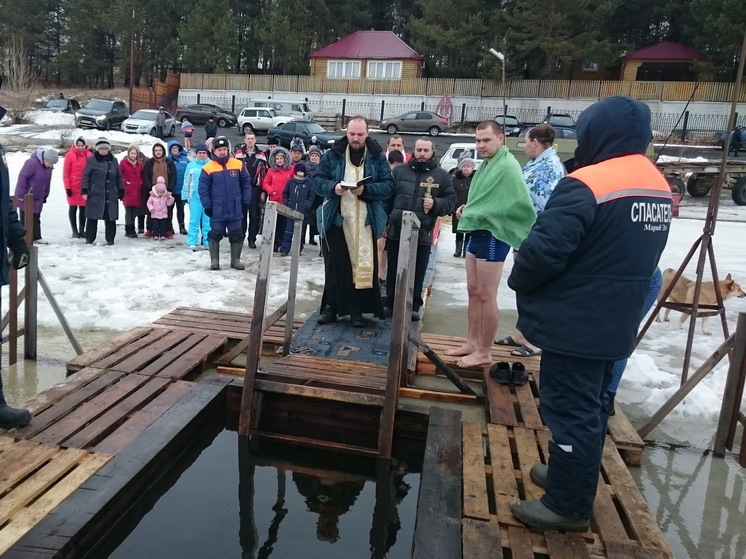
(69, 191)
(245, 208)
(19, 253)
(208, 212)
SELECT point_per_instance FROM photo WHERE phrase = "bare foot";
(465, 349)
(474, 360)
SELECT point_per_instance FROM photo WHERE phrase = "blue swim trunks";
(484, 246)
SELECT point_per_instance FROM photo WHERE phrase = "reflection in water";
(329, 494)
(697, 499)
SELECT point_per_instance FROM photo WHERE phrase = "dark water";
(224, 500)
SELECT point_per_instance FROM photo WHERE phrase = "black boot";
(459, 247)
(182, 230)
(11, 417)
(214, 248)
(236, 255)
(327, 316)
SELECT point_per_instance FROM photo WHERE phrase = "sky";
(136, 281)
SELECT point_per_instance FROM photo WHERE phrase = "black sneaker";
(500, 371)
(519, 375)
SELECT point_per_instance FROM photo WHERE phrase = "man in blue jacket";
(11, 237)
(225, 193)
(581, 277)
(354, 179)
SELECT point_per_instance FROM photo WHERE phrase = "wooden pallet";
(91, 510)
(34, 479)
(177, 354)
(233, 325)
(622, 525)
(440, 344)
(101, 410)
(515, 406)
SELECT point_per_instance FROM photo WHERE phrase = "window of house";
(384, 70)
(590, 67)
(343, 69)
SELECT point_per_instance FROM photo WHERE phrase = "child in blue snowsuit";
(198, 220)
(299, 195)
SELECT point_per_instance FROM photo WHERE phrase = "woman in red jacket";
(280, 171)
(72, 176)
(131, 167)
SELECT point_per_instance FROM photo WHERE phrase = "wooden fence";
(544, 89)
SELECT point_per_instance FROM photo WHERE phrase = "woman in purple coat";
(34, 179)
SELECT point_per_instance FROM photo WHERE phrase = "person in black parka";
(102, 187)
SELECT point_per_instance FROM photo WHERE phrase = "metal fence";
(685, 127)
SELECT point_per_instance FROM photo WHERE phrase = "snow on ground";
(138, 280)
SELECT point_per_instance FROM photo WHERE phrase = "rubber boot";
(11, 417)
(214, 248)
(236, 256)
(459, 246)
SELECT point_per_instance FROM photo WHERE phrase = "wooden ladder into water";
(326, 403)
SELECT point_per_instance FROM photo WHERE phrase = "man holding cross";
(427, 190)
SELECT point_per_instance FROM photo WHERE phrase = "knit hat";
(200, 147)
(466, 161)
(79, 140)
(102, 143)
(296, 147)
(316, 150)
(160, 185)
(51, 156)
(300, 170)
(221, 142)
(274, 140)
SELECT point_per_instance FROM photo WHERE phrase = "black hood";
(613, 127)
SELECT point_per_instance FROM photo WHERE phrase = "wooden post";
(30, 302)
(687, 387)
(292, 281)
(399, 328)
(254, 350)
(733, 392)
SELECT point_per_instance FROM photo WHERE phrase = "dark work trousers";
(36, 221)
(573, 404)
(141, 223)
(179, 206)
(110, 231)
(255, 214)
(77, 224)
(218, 229)
(423, 257)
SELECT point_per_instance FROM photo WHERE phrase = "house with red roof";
(664, 61)
(367, 54)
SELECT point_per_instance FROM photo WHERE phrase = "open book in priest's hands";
(351, 185)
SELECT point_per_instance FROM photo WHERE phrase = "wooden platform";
(234, 326)
(491, 468)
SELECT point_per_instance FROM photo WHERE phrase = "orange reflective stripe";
(212, 166)
(612, 179)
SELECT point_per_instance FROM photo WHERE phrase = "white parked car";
(259, 119)
(449, 161)
(143, 122)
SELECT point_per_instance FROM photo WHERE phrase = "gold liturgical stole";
(357, 234)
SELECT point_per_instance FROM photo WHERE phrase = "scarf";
(357, 234)
(498, 201)
(160, 168)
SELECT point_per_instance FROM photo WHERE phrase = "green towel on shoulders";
(498, 201)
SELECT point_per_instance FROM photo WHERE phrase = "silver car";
(416, 121)
(143, 122)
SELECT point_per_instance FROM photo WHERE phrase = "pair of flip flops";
(522, 351)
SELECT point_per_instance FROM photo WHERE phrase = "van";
(295, 110)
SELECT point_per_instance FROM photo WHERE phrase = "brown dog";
(683, 292)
